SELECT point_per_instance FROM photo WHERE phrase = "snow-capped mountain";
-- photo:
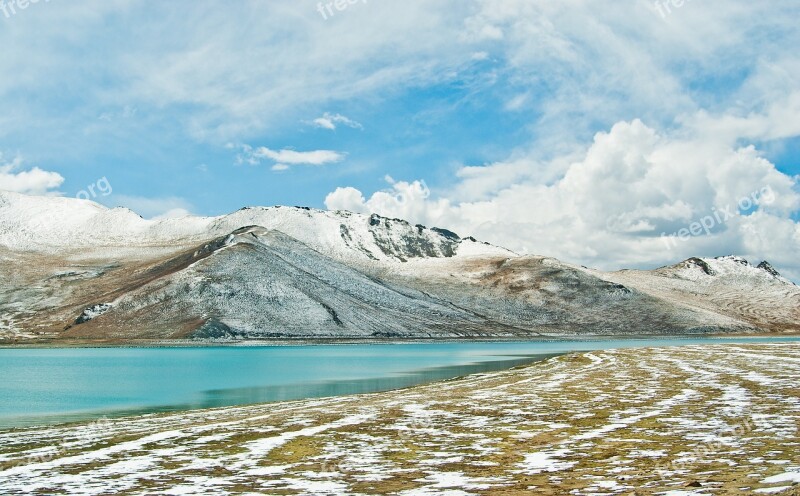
(75, 270)
(56, 225)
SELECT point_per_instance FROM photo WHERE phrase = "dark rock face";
(447, 234)
(344, 232)
(698, 262)
(619, 289)
(734, 258)
(386, 335)
(769, 268)
(399, 239)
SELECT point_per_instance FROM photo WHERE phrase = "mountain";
(75, 271)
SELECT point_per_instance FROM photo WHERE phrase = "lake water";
(59, 385)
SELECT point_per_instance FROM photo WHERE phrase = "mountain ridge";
(82, 272)
(50, 224)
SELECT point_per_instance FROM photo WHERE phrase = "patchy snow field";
(696, 420)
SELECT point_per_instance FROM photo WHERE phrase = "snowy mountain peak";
(54, 224)
(766, 266)
(731, 267)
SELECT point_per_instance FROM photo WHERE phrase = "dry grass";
(716, 419)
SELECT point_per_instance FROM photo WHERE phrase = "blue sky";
(152, 149)
(492, 111)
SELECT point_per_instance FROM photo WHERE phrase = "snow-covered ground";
(695, 420)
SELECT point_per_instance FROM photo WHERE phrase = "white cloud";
(780, 119)
(33, 181)
(285, 158)
(152, 208)
(610, 207)
(316, 157)
(585, 65)
(312, 63)
(403, 199)
(604, 62)
(175, 213)
(329, 121)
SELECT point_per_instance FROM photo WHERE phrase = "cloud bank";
(635, 197)
(33, 181)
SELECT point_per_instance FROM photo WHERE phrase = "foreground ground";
(719, 419)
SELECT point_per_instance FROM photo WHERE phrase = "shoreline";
(305, 341)
(523, 359)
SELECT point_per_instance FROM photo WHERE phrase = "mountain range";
(73, 271)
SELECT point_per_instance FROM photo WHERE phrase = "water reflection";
(242, 396)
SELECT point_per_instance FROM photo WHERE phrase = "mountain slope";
(74, 270)
(728, 286)
(258, 283)
(557, 298)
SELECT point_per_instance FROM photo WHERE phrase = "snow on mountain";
(733, 269)
(258, 283)
(47, 224)
(75, 270)
(726, 286)
(55, 224)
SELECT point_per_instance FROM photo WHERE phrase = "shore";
(308, 341)
(711, 419)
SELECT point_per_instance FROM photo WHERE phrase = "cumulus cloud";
(329, 121)
(623, 202)
(33, 181)
(285, 158)
(405, 200)
(152, 208)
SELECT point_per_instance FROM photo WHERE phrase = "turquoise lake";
(40, 386)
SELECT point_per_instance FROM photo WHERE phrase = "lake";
(40, 386)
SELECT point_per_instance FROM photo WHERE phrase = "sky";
(611, 134)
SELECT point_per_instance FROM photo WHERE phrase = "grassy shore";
(715, 419)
